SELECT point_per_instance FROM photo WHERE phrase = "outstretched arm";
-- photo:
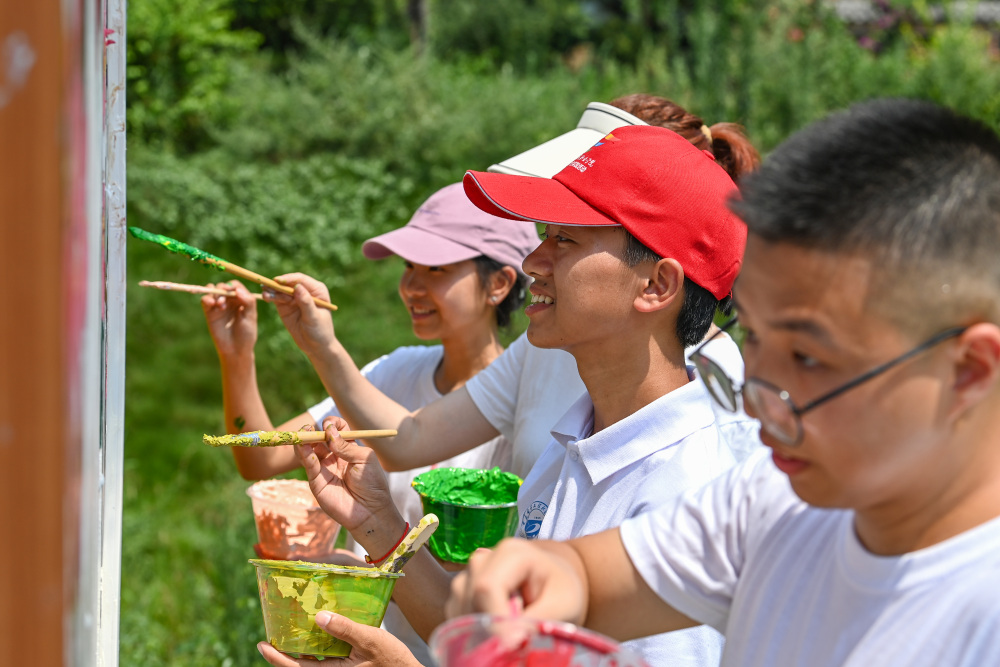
(232, 322)
(589, 581)
(443, 429)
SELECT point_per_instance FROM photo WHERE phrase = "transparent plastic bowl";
(481, 640)
(291, 592)
(290, 523)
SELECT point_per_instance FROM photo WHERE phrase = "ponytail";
(726, 141)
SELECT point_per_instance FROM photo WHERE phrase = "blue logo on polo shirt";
(531, 520)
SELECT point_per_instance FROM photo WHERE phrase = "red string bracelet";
(406, 531)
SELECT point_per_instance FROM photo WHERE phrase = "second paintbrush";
(276, 438)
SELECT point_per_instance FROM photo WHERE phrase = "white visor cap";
(548, 159)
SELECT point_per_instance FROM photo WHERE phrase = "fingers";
(313, 287)
(363, 638)
(486, 585)
(343, 449)
(243, 296)
(279, 659)
(517, 568)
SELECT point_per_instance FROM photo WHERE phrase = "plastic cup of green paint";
(476, 508)
(292, 592)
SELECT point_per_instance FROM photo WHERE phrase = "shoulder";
(407, 357)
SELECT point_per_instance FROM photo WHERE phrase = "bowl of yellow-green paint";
(292, 592)
(476, 508)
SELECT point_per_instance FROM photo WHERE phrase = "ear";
(500, 284)
(977, 366)
(664, 286)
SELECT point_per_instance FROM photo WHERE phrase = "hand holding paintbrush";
(310, 327)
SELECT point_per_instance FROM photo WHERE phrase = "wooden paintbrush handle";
(240, 272)
(320, 436)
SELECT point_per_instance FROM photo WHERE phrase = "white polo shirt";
(583, 484)
(527, 388)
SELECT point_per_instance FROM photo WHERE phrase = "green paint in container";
(477, 508)
(291, 592)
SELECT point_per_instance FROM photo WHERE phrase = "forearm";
(422, 593)
(244, 411)
(620, 603)
(444, 428)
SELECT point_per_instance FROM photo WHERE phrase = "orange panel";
(37, 535)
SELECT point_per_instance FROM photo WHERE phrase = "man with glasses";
(868, 533)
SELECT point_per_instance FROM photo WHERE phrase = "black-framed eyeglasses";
(778, 414)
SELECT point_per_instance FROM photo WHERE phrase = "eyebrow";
(798, 325)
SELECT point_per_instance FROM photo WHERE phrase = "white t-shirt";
(527, 388)
(790, 584)
(406, 375)
(584, 483)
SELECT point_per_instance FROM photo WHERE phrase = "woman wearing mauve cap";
(461, 282)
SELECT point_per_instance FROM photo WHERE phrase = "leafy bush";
(179, 57)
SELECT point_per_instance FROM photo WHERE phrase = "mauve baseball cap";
(448, 228)
(651, 181)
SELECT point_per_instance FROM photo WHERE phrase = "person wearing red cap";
(523, 392)
(613, 287)
(641, 251)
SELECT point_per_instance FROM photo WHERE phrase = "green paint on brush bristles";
(173, 245)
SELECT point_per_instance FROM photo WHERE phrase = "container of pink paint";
(482, 640)
(290, 523)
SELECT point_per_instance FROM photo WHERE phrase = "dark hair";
(911, 185)
(699, 307)
(485, 268)
(731, 148)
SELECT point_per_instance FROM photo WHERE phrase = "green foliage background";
(280, 134)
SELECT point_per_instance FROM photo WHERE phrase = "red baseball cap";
(651, 181)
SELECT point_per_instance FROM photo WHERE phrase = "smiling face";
(444, 300)
(810, 328)
(583, 291)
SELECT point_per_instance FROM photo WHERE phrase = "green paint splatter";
(173, 245)
(466, 486)
(240, 422)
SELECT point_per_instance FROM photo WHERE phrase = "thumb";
(344, 449)
(363, 638)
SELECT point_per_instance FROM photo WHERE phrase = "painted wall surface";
(61, 330)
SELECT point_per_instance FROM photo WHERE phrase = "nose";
(538, 263)
(411, 283)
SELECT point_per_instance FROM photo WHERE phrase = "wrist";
(381, 534)
(240, 360)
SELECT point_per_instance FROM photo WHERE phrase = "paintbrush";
(275, 438)
(190, 289)
(173, 245)
(415, 539)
